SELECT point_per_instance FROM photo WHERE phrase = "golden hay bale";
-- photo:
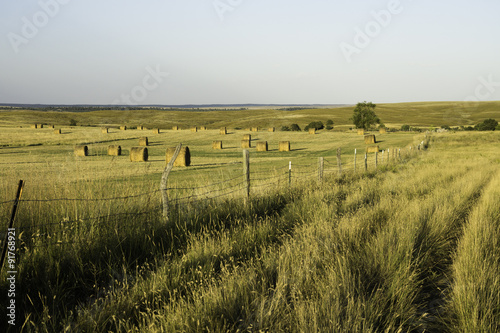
(370, 139)
(57, 131)
(39, 125)
(217, 145)
(140, 127)
(123, 128)
(284, 146)
(33, 126)
(382, 131)
(114, 150)
(255, 129)
(156, 131)
(203, 128)
(175, 128)
(372, 149)
(51, 126)
(361, 131)
(183, 159)
(262, 146)
(139, 154)
(247, 129)
(81, 151)
(247, 137)
(246, 144)
(143, 141)
(104, 130)
(312, 131)
(272, 129)
(194, 129)
(223, 131)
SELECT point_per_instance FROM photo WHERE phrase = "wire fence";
(92, 216)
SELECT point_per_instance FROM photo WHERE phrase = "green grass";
(411, 246)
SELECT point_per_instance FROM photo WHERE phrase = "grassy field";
(411, 246)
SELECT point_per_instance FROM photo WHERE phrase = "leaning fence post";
(11, 223)
(339, 161)
(246, 174)
(164, 181)
(321, 163)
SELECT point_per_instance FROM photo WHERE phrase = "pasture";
(412, 245)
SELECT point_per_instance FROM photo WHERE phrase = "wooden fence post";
(321, 163)
(246, 174)
(366, 161)
(355, 153)
(376, 159)
(11, 223)
(164, 181)
(339, 161)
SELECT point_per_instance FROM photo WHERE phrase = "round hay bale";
(217, 145)
(203, 128)
(361, 131)
(372, 149)
(114, 150)
(156, 131)
(246, 144)
(255, 129)
(139, 154)
(33, 126)
(262, 146)
(57, 131)
(39, 125)
(272, 129)
(312, 131)
(175, 128)
(194, 129)
(247, 137)
(104, 130)
(223, 131)
(370, 139)
(382, 131)
(51, 126)
(183, 159)
(284, 146)
(247, 129)
(123, 128)
(81, 151)
(143, 141)
(140, 127)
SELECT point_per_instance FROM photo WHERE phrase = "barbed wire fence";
(90, 220)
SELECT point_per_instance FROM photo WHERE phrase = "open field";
(423, 114)
(411, 246)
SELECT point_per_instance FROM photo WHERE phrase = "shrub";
(405, 128)
(72, 122)
(317, 125)
(285, 128)
(329, 122)
(295, 127)
(487, 125)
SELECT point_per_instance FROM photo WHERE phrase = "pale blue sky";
(242, 51)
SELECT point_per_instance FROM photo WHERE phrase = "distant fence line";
(243, 186)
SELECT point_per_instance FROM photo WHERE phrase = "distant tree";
(295, 127)
(446, 127)
(487, 125)
(364, 115)
(317, 125)
(285, 128)
(329, 122)
(405, 128)
(72, 122)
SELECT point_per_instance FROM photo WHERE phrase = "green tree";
(487, 125)
(317, 125)
(295, 127)
(364, 115)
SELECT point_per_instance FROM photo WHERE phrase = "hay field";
(411, 246)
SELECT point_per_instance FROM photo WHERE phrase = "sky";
(175, 52)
